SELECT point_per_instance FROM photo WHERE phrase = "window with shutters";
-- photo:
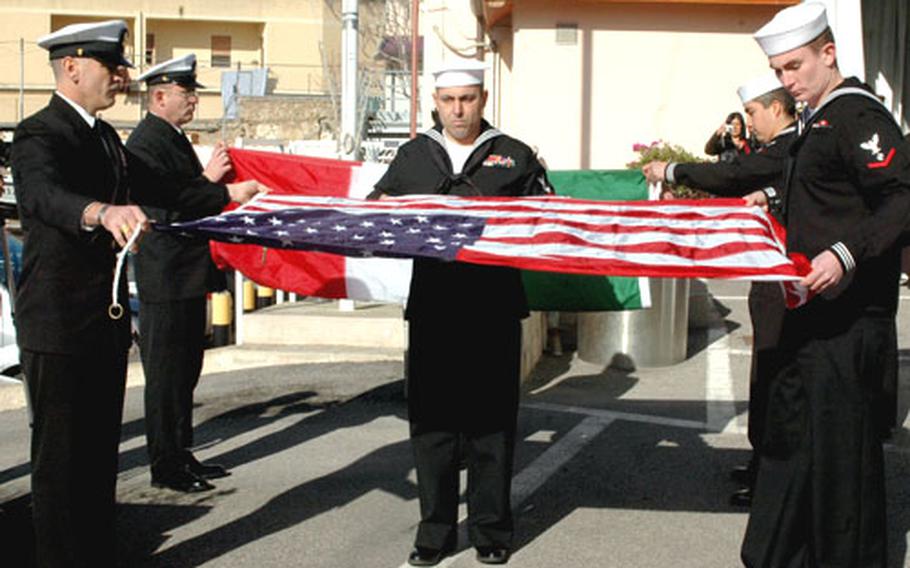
(221, 51)
(149, 49)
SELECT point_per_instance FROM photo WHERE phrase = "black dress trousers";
(463, 390)
(820, 497)
(766, 310)
(78, 405)
(172, 341)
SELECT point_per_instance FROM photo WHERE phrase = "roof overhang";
(496, 11)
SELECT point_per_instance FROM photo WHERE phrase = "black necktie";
(188, 147)
(113, 155)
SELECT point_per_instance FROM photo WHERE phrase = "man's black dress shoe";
(493, 554)
(206, 470)
(421, 556)
(742, 497)
(743, 474)
(182, 480)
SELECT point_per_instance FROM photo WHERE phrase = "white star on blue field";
(330, 230)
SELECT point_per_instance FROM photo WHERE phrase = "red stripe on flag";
(616, 228)
(694, 253)
(621, 268)
(494, 213)
(550, 205)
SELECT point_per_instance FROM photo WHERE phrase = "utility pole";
(348, 146)
(349, 81)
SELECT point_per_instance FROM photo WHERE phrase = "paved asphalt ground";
(613, 468)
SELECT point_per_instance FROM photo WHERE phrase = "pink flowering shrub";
(660, 151)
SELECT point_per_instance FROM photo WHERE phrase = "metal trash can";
(653, 337)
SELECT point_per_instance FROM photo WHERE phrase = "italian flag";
(387, 280)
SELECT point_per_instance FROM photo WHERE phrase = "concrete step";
(237, 357)
(313, 322)
(250, 355)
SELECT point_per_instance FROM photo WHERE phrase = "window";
(221, 51)
(149, 49)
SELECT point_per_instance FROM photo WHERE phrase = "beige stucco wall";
(297, 65)
(288, 36)
(638, 73)
(244, 10)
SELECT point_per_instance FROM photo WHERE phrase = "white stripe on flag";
(380, 279)
(664, 215)
(607, 238)
(754, 259)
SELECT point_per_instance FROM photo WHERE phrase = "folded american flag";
(718, 238)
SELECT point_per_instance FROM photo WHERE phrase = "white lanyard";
(115, 310)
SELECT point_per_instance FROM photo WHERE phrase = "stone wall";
(272, 118)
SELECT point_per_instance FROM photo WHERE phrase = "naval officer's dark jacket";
(60, 165)
(499, 166)
(171, 267)
(849, 192)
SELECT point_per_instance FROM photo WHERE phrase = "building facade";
(297, 41)
(584, 80)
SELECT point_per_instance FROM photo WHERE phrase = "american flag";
(718, 238)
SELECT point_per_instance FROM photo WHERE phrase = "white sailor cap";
(99, 40)
(791, 28)
(758, 86)
(460, 73)
(179, 70)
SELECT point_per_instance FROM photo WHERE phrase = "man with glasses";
(174, 274)
(76, 186)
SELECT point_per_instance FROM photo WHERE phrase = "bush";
(660, 151)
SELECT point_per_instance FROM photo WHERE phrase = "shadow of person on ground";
(385, 468)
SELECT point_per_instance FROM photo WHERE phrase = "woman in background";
(729, 140)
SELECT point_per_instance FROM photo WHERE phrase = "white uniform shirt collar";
(82, 112)
(458, 153)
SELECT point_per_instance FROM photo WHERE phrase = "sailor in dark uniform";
(174, 274)
(74, 183)
(820, 494)
(464, 328)
(772, 112)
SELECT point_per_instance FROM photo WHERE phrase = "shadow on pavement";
(628, 464)
(386, 469)
(223, 427)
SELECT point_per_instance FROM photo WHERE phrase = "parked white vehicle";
(9, 351)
